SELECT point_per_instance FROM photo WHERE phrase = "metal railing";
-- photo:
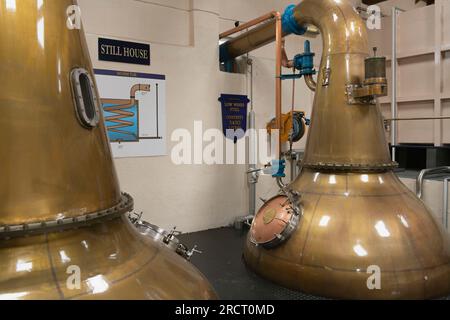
(419, 188)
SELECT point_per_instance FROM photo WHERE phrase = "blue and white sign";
(234, 115)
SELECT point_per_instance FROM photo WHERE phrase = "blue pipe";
(290, 24)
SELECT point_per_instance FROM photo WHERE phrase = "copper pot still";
(361, 233)
(63, 229)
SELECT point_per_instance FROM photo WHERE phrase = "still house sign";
(123, 51)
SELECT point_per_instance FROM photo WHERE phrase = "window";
(86, 101)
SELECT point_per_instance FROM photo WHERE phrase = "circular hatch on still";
(275, 222)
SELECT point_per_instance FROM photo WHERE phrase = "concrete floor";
(221, 262)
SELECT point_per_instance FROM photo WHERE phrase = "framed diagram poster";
(135, 113)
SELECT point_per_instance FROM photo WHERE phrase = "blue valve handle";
(278, 167)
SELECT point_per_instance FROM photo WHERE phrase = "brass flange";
(125, 205)
(352, 167)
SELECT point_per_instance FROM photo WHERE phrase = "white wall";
(419, 94)
(184, 41)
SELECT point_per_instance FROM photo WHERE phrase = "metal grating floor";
(221, 262)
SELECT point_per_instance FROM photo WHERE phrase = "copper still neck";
(346, 131)
(342, 135)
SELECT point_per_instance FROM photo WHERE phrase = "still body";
(124, 51)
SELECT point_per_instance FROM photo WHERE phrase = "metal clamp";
(253, 175)
(326, 77)
(184, 251)
(171, 236)
(191, 252)
(365, 94)
(168, 239)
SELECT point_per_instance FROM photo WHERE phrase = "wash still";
(347, 212)
(64, 233)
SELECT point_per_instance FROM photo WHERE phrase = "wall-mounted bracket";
(326, 77)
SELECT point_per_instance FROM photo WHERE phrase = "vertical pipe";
(252, 147)
(157, 111)
(252, 164)
(293, 171)
(394, 83)
(250, 63)
(278, 97)
(438, 8)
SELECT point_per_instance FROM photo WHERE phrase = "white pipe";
(252, 178)
(281, 184)
(252, 149)
(394, 83)
(394, 104)
(293, 164)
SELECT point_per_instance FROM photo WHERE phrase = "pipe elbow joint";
(290, 24)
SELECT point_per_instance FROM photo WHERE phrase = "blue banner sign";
(234, 115)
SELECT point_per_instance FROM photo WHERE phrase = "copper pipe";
(125, 104)
(278, 85)
(249, 24)
(255, 38)
(259, 37)
(266, 29)
(285, 62)
(311, 84)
